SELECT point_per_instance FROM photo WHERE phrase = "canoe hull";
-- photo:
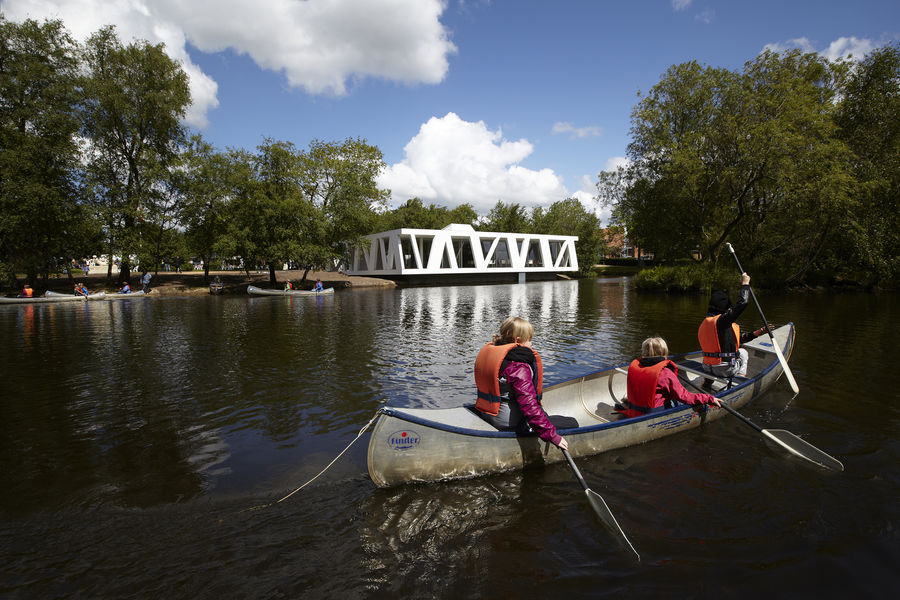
(255, 291)
(421, 445)
(53, 297)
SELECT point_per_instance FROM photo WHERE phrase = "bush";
(695, 277)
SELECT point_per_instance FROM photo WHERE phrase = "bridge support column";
(522, 277)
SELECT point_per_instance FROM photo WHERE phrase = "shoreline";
(191, 283)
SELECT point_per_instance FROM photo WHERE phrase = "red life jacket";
(488, 366)
(641, 387)
(708, 335)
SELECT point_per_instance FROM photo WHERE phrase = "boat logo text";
(403, 440)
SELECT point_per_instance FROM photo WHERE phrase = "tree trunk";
(272, 280)
(305, 273)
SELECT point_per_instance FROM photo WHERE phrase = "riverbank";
(192, 283)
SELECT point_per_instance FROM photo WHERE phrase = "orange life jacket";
(27, 292)
(641, 387)
(709, 341)
(489, 364)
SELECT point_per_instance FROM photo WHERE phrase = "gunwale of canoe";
(53, 297)
(422, 445)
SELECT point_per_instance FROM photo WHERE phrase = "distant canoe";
(252, 289)
(120, 296)
(53, 297)
(434, 444)
(216, 287)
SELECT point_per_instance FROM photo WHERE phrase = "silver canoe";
(252, 289)
(53, 297)
(120, 296)
(417, 444)
(101, 295)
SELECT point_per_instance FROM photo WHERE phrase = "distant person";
(80, 290)
(27, 292)
(145, 281)
(126, 289)
(653, 383)
(178, 265)
(509, 376)
(720, 336)
(288, 286)
(87, 268)
(318, 287)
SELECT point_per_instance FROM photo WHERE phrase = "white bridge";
(460, 250)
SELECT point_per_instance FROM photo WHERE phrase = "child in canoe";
(509, 376)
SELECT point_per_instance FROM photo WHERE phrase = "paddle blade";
(784, 365)
(599, 505)
(802, 448)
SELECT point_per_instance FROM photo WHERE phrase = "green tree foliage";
(206, 183)
(135, 97)
(268, 216)
(748, 157)
(338, 183)
(41, 221)
(869, 121)
(413, 214)
(506, 218)
(569, 217)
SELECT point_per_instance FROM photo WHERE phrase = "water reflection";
(135, 432)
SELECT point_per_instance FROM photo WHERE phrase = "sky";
(470, 101)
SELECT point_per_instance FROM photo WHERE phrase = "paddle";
(599, 505)
(793, 444)
(781, 359)
(785, 439)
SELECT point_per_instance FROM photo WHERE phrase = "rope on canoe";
(358, 435)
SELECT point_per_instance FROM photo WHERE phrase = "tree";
(413, 214)
(569, 217)
(869, 121)
(269, 219)
(748, 157)
(338, 181)
(135, 97)
(506, 218)
(206, 184)
(41, 221)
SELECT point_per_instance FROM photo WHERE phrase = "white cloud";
(851, 47)
(319, 45)
(843, 47)
(576, 132)
(450, 162)
(681, 4)
(615, 162)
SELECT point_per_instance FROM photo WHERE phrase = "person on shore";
(509, 377)
(80, 290)
(653, 384)
(27, 292)
(145, 281)
(318, 287)
(126, 289)
(720, 336)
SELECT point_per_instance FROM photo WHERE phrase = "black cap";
(718, 302)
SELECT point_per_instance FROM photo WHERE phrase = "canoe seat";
(695, 367)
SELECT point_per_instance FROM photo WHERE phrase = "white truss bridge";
(460, 250)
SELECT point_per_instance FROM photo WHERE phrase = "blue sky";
(469, 100)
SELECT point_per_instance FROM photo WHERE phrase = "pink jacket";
(668, 386)
(519, 377)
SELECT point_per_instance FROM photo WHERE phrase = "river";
(137, 436)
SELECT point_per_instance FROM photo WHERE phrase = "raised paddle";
(781, 359)
(785, 439)
(599, 505)
(793, 444)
